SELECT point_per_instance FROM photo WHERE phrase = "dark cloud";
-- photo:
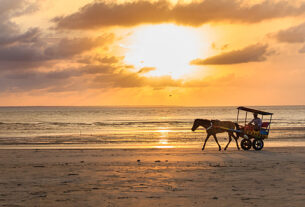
(20, 53)
(94, 76)
(30, 49)
(9, 32)
(13, 8)
(17, 46)
(252, 53)
(15, 66)
(98, 69)
(294, 34)
(29, 36)
(9, 36)
(105, 14)
(34, 80)
(40, 80)
(100, 14)
(24, 56)
(98, 59)
(70, 47)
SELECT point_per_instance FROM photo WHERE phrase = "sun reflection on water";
(163, 142)
(163, 133)
(164, 147)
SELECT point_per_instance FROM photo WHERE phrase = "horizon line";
(144, 106)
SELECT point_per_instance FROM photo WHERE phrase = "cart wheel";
(258, 144)
(246, 144)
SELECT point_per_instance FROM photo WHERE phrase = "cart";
(253, 137)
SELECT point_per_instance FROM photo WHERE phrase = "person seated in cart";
(256, 121)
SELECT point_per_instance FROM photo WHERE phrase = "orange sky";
(188, 53)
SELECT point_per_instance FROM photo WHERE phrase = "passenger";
(256, 121)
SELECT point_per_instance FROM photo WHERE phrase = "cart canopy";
(254, 111)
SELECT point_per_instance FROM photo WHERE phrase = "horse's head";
(201, 122)
(195, 125)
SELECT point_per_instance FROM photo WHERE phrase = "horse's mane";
(208, 120)
(203, 122)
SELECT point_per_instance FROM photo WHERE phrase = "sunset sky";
(186, 53)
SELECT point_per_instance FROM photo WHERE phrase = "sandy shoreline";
(153, 177)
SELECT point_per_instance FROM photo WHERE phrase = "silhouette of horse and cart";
(251, 136)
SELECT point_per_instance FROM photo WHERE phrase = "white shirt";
(257, 121)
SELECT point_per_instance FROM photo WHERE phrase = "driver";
(256, 121)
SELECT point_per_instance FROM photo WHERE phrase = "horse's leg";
(230, 139)
(236, 138)
(205, 141)
(237, 135)
(214, 135)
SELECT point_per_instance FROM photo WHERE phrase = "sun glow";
(167, 48)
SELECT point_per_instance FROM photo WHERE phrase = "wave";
(128, 123)
(289, 128)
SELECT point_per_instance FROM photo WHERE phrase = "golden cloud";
(101, 14)
(252, 53)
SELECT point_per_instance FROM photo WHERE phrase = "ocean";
(131, 126)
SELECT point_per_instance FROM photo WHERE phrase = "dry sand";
(153, 177)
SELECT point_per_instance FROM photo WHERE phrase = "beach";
(152, 177)
(110, 103)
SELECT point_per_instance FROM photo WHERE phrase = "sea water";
(136, 126)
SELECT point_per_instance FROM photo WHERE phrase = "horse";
(214, 127)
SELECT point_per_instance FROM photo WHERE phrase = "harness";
(210, 126)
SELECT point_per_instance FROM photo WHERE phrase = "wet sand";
(153, 177)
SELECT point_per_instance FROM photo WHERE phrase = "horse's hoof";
(219, 149)
(202, 149)
(225, 149)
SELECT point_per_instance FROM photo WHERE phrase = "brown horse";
(214, 127)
